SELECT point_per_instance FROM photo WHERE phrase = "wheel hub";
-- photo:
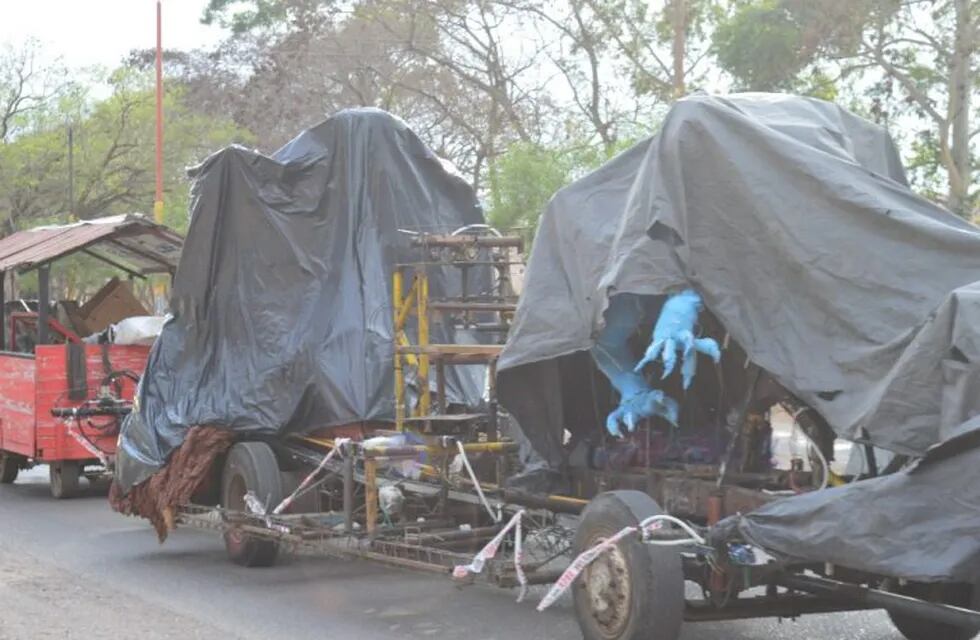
(607, 583)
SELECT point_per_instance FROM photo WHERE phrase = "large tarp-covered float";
(282, 315)
(822, 276)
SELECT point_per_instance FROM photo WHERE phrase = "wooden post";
(44, 295)
(396, 296)
(371, 494)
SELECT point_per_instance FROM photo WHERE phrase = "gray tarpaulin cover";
(794, 221)
(282, 299)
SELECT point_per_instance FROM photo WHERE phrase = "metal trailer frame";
(352, 527)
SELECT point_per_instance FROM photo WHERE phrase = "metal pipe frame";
(847, 593)
(412, 450)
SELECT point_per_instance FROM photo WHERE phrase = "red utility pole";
(158, 203)
(159, 288)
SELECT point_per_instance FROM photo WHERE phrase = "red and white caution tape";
(476, 483)
(586, 558)
(338, 444)
(579, 564)
(82, 440)
(490, 550)
(519, 559)
(256, 507)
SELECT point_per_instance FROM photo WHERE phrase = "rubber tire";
(63, 477)
(9, 467)
(914, 628)
(656, 609)
(254, 466)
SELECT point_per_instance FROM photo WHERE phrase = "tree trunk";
(960, 89)
(678, 23)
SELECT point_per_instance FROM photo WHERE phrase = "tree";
(527, 175)
(923, 51)
(113, 154)
(25, 88)
(442, 65)
(662, 46)
(243, 17)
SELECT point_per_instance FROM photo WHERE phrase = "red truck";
(65, 385)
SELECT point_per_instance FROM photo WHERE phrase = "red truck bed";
(30, 386)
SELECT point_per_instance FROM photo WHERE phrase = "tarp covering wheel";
(913, 628)
(250, 466)
(634, 591)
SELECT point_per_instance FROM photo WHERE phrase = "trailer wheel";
(63, 477)
(9, 467)
(250, 466)
(914, 628)
(633, 591)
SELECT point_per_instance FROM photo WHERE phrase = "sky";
(102, 32)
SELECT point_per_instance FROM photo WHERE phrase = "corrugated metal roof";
(130, 241)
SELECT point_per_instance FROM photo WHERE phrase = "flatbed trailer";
(61, 398)
(623, 543)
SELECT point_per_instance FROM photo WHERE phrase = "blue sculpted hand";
(612, 353)
(638, 406)
(674, 331)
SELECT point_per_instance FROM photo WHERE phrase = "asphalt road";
(75, 569)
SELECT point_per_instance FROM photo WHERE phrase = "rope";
(476, 482)
(519, 560)
(339, 443)
(76, 433)
(490, 550)
(588, 556)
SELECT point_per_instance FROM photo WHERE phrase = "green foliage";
(114, 147)
(113, 163)
(760, 46)
(242, 16)
(521, 183)
(525, 177)
(779, 45)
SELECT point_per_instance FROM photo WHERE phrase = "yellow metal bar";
(422, 310)
(396, 294)
(323, 442)
(403, 305)
(578, 502)
(408, 358)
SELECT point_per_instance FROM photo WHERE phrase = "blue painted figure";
(612, 354)
(675, 330)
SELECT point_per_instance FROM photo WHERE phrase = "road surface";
(74, 569)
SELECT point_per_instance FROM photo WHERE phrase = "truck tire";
(914, 628)
(634, 591)
(9, 467)
(63, 477)
(250, 466)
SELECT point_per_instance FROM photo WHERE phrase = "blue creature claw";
(675, 330)
(709, 347)
(636, 407)
(652, 353)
